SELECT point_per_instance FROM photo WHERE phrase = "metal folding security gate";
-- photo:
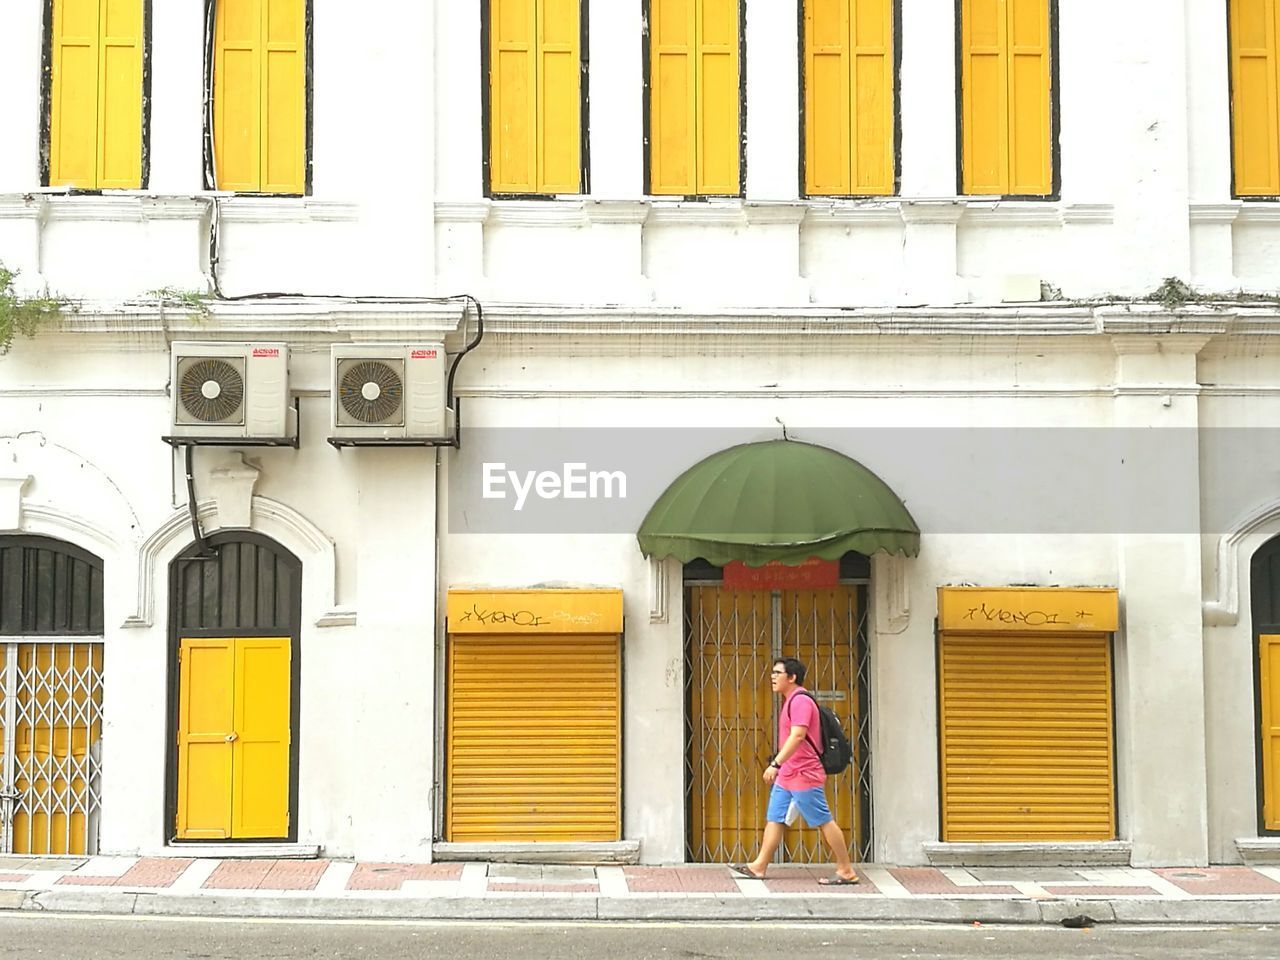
(51, 674)
(732, 639)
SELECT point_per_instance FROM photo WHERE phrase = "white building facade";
(396, 663)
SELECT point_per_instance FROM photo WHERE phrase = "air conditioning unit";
(231, 391)
(389, 392)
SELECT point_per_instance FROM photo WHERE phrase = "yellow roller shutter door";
(534, 732)
(1026, 737)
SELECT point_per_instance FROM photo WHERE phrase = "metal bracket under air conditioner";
(293, 441)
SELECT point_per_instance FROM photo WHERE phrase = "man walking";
(798, 778)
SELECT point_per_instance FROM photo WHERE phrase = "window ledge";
(1259, 211)
(1029, 854)
(1215, 212)
(122, 207)
(1259, 851)
(237, 209)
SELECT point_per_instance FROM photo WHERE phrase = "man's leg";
(773, 833)
(835, 840)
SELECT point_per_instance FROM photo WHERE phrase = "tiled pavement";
(345, 889)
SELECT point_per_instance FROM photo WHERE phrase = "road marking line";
(613, 882)
(194, 877)
(887, 883)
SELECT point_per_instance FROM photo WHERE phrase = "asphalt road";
(61, 937)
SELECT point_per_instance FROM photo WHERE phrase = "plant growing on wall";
(22, 315)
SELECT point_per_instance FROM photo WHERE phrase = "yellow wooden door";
(1269, 675)
(733, 714)
(1026, 737)
(233, 738)
(534, 738)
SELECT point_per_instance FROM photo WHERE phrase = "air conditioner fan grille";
(371, 391)
(211, 390)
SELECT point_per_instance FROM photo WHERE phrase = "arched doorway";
(234, 617)
(1265, 593)
(51, 679)
(796, 523)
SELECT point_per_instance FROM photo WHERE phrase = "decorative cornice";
(286, 210)
(1256, 211)
(784, 212)
(124, 207)
(465, 211)
(853, 212)
(1015, 212)
(617, 211)
(946, 211)
(17, 206)
(705, 213)
(1088, 213)
(537, 213)
(1222, 213)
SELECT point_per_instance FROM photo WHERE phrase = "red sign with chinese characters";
(810, 574)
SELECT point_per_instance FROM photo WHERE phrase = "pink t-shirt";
(803, 770)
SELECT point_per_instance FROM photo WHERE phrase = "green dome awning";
(777, 500)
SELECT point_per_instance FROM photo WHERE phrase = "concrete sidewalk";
(347, 890)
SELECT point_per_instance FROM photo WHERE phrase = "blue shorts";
(811, 803)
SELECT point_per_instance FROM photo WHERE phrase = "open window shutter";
(119, 134)
(672, 97)
(1254, 107)
(871, 42)
(828, 110)
(283, 74)
(513, 82)
(985, 97)
(718, 138)
(73, 120)
(1030, 135)
(559, 125)
(237, 100)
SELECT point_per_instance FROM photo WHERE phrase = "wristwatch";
(776, 764)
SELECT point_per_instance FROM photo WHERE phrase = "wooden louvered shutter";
(1255, 103)
(284, 96)
(1026, 737)
(673, 97)
(1006, 98)
(534, 738)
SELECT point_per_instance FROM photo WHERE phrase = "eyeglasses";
(778, 673)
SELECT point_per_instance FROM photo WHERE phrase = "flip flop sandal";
(837, 881)
(743, 871)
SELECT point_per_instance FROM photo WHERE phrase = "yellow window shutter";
(719, 151)
(284, 96)
(1006, 99)
(672, 97)
(1029, 98)
(1255, 106)
(985, 96)
(119, 147)
(73, 104)
(828, 106)
(872, 94)
(513, 88)
(259, 91)
(849, 120)
(559, 127)
(205, 721)
(237, 108)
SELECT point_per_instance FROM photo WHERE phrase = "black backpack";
(837, 751)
